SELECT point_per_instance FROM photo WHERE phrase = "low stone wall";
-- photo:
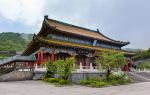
(17, 76)
(77, 76)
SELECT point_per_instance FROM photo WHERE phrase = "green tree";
(110, 60)
(142, 55)
(11, 42)
(64, 68)
(51, 69)
(145, 65)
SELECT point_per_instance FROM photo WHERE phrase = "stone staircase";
(139, 76)
(16, 76)
(144, 74)
(38, 75)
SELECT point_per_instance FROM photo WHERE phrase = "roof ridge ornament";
(98, 30)
(46, 16)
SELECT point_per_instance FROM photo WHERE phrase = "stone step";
(17, 76)
(144, 74)
(137, 78)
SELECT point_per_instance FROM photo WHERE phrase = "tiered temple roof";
(50, 25)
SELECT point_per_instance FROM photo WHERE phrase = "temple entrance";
(61, 56)
(45, 57)
(82, 60)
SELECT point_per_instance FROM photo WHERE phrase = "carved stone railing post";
(91, 66)
(36, 65)
(81, 66)
(74, 66)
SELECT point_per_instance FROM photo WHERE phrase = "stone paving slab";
(41, 88)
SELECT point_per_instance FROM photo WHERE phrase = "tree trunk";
(108, 74)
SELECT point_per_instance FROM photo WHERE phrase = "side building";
(59, 40)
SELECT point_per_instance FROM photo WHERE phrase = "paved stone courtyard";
(41, 88)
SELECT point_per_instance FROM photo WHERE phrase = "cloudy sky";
(125, 20)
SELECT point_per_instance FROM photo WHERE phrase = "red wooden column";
(38, 58)
(42, 56)
(88, 62)
(126, 68)
(58, 56)
(49, 57)
(53, 55)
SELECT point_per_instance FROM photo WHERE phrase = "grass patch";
(102, 82)
(56, 81)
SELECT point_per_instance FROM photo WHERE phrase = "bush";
(97, 84)
(51, 80)
(145, 65)
(64, 68)
(113, 82)
(51, 69)
(93, 83)
(84, 82)
(119, 79)
(93, 78)
(56, 81)
(63, 82)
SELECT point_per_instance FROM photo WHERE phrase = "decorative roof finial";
(97, 30)
(46, 16)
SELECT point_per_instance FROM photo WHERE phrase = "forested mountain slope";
(11, 42)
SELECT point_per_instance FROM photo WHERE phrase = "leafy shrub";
(60, 67)
(143, 66)
(93, 78)
(51, 80)
(51, 69)
(84, 82)
(93, 83)
(64, 68)
(113, 82)
(56, 81)
(97, 84)
(119, 79)
(45, 79)
(110, 60)
(62, 81)
(100, 82)
(129, 80)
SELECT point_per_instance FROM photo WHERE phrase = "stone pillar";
(81, 66)
(74, 66)
(91, 66)
(36, 66)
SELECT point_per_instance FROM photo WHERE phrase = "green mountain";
(133, 50)
(142, 55)
(11, 42)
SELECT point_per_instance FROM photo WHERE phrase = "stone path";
(41, 88)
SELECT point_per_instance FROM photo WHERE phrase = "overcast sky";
(125, 20)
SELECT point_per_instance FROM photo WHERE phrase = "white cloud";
(30, 12)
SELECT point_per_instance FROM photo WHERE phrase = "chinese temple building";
(59, 40)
